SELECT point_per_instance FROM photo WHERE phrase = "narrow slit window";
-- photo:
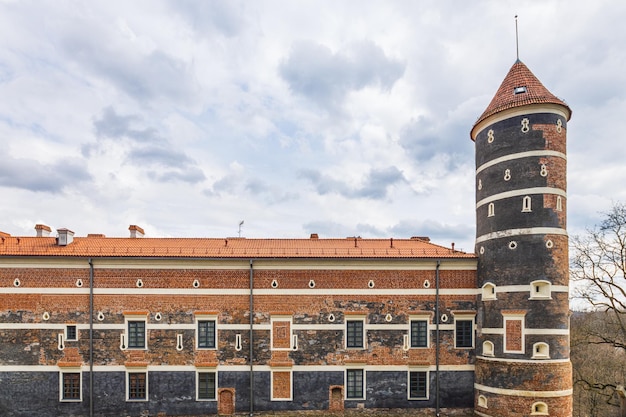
(526, 205)
(491, 210)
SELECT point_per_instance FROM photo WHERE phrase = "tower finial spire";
(516, 39)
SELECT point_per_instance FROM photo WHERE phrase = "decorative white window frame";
(465, 316)
(351, 367)
(71, 370)
(124, 337)
(290, 371)
(559, 203)
(293, 339)
(205, 316)
(527, 204)
(540, 290)
(489, 291)
(488, 348)
(420, 317)
(541, 350)
(491, 210)
(137, 370)
(199, 371)
(411, 369)
(355, 317)
(506, 316)
(482, 401)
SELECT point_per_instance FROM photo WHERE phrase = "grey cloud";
(189, 174)
(375, 185)
(32, 175)
(158, 156)
(115, 126)
(143, 77)
(209, 16)
(324, 77)
(424, 138)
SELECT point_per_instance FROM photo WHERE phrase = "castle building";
(104, 326)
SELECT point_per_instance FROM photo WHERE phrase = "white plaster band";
(520, 192)
(520, 232)
(528, 154)
(525, 393)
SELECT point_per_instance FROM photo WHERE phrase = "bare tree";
(598, 268)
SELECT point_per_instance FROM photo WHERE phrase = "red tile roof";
(520, 76)
(98, 246)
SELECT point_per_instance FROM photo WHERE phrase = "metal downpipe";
(251, 338)
(437, 318)
(90, 337)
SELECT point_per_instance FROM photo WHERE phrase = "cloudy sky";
(340, 118)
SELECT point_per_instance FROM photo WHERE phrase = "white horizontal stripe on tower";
(521, 232)
(519, 156)
(520, 192)
(524, 393)
(527, 331)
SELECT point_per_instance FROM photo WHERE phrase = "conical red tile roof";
(535, 93)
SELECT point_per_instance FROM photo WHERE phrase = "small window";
(526, 205)
(419, 333)
(137, 386)
(354, 383)
(559, 203)
(541, 350)
(540, 290)
(136, 334)
(488, 348)
(519, 90)
(491, 210)
(482, 401)
(354, 334)
(71, 383)
(539, 409)
(206, 334)
(206, 384)
(71, 333)
(464, 333)
(418, 385)
(489, 291)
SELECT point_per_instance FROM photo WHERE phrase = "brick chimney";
(66, 236)
(135, 231)
(42, 230)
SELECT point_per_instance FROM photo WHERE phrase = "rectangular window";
(419, 333)
(418, 385)
(354, 334)
(354, 383)
(137, 386)
(71, 386)
(464, 337)
(206, 385)
(71, 333)
(206, 334)
(137, 334)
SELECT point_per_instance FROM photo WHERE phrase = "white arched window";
(491, 210)
(526, 205)
(539, 409)
(559, 203)
(541, 350)
(540, 290)
(489, 291)
(487, 348)
(482, 401)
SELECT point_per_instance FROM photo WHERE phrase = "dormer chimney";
(135, 231)
(42, 230)
(66, 236)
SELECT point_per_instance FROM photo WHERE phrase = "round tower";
(522, 353)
